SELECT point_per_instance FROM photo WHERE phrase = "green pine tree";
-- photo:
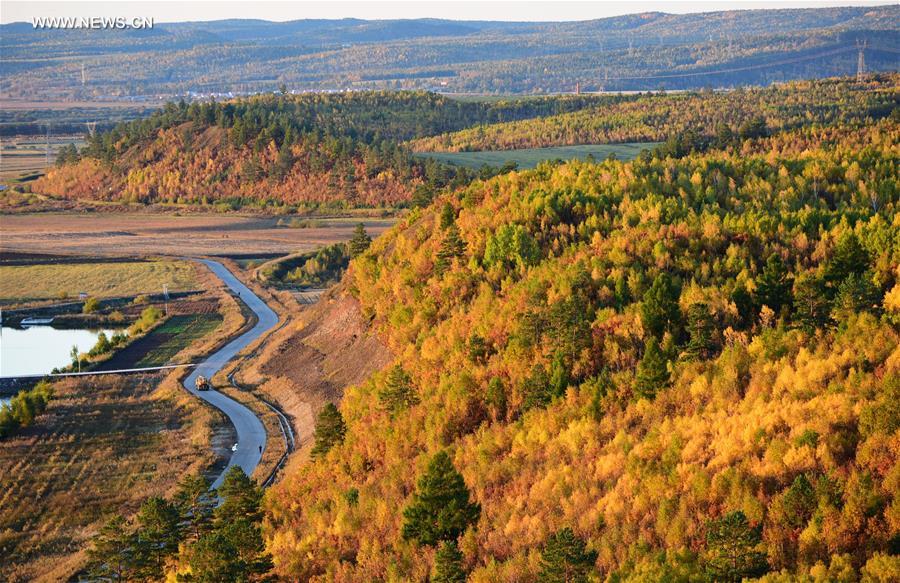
(565, 559)
(360, 241)
(452, 247)
(653, 371)
(857, 293)
(732, 551)
(330, 430)
(448, 215)
(158, 535)
(849, 257)
(241, 498)
(811, 306)
(441, 509)
(111, 554)
(398, 391)
(773, 286)
(195, 503)
(700, 329)
(659, 310)
(448, 564)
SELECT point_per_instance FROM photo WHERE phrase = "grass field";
(102, 446)
(175, 335)
(37, 282)
(534, 156)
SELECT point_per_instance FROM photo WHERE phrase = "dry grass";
(103, 446)
(37, 282)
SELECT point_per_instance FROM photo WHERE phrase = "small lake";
(40, 349)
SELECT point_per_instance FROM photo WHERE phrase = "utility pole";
(861, 61)
(83, 76)
(166, 296)
(47, 151)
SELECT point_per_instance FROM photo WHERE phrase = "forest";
(355, 150)
(684, 367)
(338, 150)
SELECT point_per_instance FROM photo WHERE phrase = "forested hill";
(645, 51)
(704, 114)
(337, 150)
(354, 149)
(671, 369)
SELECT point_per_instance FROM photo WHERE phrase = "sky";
(281, 10)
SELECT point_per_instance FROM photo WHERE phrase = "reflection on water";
(40, 349)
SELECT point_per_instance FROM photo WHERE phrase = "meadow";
(104, 279)
(531, 157)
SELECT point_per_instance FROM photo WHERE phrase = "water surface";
(40, 349)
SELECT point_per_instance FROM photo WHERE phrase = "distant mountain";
(644, 51)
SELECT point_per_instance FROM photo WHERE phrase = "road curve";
(251, 435)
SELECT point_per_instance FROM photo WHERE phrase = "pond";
(40, 349)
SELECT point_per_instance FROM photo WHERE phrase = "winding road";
(251, 435)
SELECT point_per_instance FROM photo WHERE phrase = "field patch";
(531, 157)
(40, 282)
(103, 445)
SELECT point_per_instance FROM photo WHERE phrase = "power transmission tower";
(861, 61)
(47, 151)
(92, 127)
(83, 76)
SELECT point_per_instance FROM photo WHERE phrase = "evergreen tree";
(452, 247)
(700, 331)
(855, 294)
(652, 372)
(360, 241)
(158, 535)
(422, 196)
(565, 559)
(441, 509)
(773, 287)
(398, 392)
(849, 257)
(330, 430)
(241, 498)
(448, 564)
(448, 215)
(214, 558)
(195, 503)
(536, 389)
(811, 307)
(112, 551)
(731, 549)
(659, 310)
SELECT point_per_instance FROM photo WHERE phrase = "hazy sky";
(279, 10)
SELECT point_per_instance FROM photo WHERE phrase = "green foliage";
(330, 429)
(849, 258)
(856, 293)
(319, 269)
(448, 215)
(773, 286)
(811, 305)
(111, 555)
(149, 317)
(360, 241)
(700, 329)
(732, 549)
(659, 310)
(440, 509)
(90, 306)
(652, 372)
(799, 502)
(452, 248)
(157, 535)
(448, 564)
(511, 247)
(24, 407)
(565, 559)
(398, 391)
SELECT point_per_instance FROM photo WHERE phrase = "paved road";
(251, 435)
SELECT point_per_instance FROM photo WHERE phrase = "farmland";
(25, 157)
(195, 234)
(176, 334)
(99, 279)
(531, 157)
(102, 446)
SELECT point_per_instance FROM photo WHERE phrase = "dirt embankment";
(310, 361)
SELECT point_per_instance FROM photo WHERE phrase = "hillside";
(645, 51)
(691, 363)
(653, 118)
(331, 150)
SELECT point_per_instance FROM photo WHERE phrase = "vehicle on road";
(202, 383)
